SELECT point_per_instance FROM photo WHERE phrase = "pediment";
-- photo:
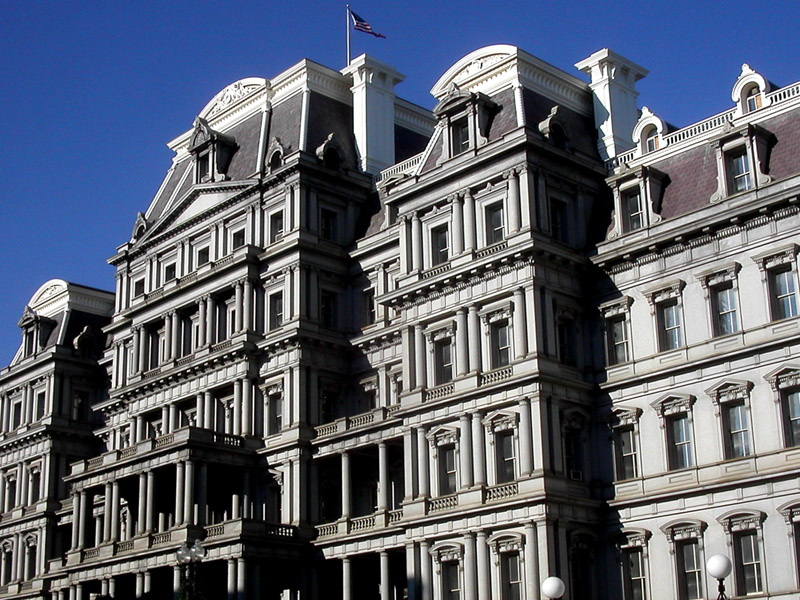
(787, 375)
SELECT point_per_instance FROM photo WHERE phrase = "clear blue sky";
(90, 92)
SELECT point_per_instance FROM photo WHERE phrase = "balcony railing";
(499, 492)
(495, 376)
(440, 391)
(442, 503)
(346, 423)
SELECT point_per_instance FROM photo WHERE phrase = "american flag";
(360, 24)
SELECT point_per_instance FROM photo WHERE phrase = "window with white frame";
(237, 239)
(274, 396)
(445, 453)
(651, 139)
(502, 434)
(559, 212)
(791, 515)
(686, 545)
(632, 208)
(328, 308)
(275, 310)
(465, 118)
(441, 345)
(675, 412)
(566, 334)
(741, 160)
(785, 383)
(202, 255)
(731, 399)
(616, 315)
(459, 136)
(495, 223)
(447, 560)
(638, 195)
(507, 551)
(573, 434)
(744, 531)
(633, 559)
(625, 424)
(329, 224)
(581, 548)
(779, 273)
(138, 287)
(440, 245)
(276, 226)
(721, 290)
(368, 307)
(169, 273)
(666, 306)
(499, 325)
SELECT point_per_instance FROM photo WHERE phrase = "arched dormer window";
(275, 160)
(750, 91)
(466, 118)
(275, 154)
(648, 132)
(553, 129)
(212, 152)
(330, 153)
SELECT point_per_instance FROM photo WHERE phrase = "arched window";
(276, 160)
(650, 137)
(753, 98)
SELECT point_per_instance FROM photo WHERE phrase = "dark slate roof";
(505, 119)
(285, 123)
(785, 147)
(173, 178)
(246, 135)
(579, 130)
(326, 116)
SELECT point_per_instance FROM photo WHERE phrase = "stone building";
(360, 349)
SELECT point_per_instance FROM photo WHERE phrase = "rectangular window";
(275, 310)
(328, 225)
(202, 256)
(138, 288)
(237, 239)
(459, 132)
(447, 470)
(368, 307)
(559, 220)
(16, 414)
(690, 570)
(327, 309)
(617, 340)
(747, 558)
(169, 272)
(495, 229)
(723, 300)
(510, 576)
(627, 467)
(567, 341)
(501, 345)
(275, 413)
(792, 418)
(203, 167)
(443, 360)
(679, 436)
(737, 430)
(669, 325)
(40, 401)
(440, 248)
(276, 227)
(451, 589)
(573, 453)
(634, 574)
(632, 211)
(740, 178)
(783, 292)
(506, 458)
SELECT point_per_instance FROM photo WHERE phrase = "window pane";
(738, 431)
(793, 425)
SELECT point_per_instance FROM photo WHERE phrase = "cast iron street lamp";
(187, 557)
(719, 567)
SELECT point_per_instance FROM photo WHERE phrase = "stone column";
(465, 451)
(346, 507)
(210, 320)
(525, 439)
(461, 342)
(469, 221)
(202, 319)
(172, 416)
(241, 578)
(405, 266)
(408, 463)
(520, 338)
(411, 571)
(202, 494)
(470, 580)
(165, 425)
(346, 579)
(247, 305)
(76, 517)
(143, 349)
(383, 477)
(209, 412)
(416, 243)
(137, 342)
(478, 449)
(458, 226)
(422, 457)
(151, 500)
(176, 339)
(199, 411)
(142, 508)
(513, 201)
(474, 339)
(232, 579)
(484, 581)
(239, 306)
(188, 493)
(426, 579)
(168, 333)
(385, 586)
(82, 516)
(180, 483)
(115, 511)
(247, 406)
(420, 379)
(176, 581)
(531, 552)
(237, 407)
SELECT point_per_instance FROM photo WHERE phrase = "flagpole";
(347, 19)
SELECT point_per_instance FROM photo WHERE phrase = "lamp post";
(553, 588)
(187, 557)
(719, 567)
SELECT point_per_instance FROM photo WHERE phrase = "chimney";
(373, 111)
(613, 85)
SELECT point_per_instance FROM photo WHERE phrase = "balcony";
(355, 525)
(376, 415)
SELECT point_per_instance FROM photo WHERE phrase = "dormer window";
(739, 171)
(638, 194)
(753, 98)
(651, 140)
(750, 92)
(212, 152)
(632, 211)
(741, 160)
(648, 132)
(466, 117)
